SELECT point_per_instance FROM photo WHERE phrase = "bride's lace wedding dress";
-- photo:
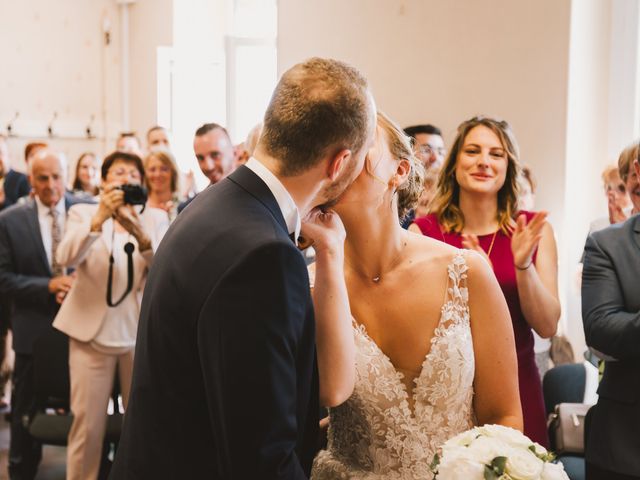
(376, 434)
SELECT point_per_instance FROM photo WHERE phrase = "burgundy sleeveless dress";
(528, 376)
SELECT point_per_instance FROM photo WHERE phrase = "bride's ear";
(403, 170)
(338, 163)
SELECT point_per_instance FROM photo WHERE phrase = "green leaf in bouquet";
(489, 474)
(434, 463)
(499, 464)
(495, 471)
(545, 457)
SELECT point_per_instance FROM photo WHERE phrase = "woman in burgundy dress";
(475, 207)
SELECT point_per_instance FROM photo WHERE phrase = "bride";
(435, 352)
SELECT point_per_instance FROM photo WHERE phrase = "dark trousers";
(4, 331)
(24, 452)
(593, 472)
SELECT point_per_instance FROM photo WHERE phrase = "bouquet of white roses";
(494, 452)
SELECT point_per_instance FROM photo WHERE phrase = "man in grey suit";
(35, 285)
(611, 316)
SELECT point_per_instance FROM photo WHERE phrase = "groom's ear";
(338, 163)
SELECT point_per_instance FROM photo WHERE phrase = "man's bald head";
(47, 175)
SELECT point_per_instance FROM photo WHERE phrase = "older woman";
(161, 179)
(476, 207)
(111, 248)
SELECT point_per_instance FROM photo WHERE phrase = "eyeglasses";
(428, 150)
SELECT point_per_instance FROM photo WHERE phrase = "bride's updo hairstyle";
(446, 203)
(401, 149)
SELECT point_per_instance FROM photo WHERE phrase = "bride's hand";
(471, 242)
(325, 230)
(525, 239)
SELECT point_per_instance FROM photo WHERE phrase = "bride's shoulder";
(426, 249)
(479, 272)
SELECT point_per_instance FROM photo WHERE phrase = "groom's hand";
(326, 231)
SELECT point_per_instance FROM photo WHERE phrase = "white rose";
(463, 439)
(485, 449)
(508, 435)
(457, 468)
(523, 465)
(453, 452)
(554, 471)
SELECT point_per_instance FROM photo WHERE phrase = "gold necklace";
(488, 252)
(492, 242)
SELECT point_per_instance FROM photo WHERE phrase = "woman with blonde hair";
(161, 180)
(425, 364)
(476, 207)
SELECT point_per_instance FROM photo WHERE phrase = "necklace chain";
(392, 265)
(493, 240)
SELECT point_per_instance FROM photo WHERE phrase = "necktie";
(56, 236)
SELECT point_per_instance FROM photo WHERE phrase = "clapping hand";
(471, 242)
(525, 239)
(325, 230)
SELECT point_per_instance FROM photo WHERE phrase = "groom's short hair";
(318, 108)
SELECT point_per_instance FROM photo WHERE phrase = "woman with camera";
(110, 246)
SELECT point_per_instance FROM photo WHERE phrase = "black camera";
(133, 194)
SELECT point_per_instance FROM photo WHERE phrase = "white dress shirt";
(287, 206)
(45, 220)
(120, 323)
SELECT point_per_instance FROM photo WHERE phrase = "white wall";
(587, 142)
(443, 62)
(151, 26)
(54, 59)
(624, 65)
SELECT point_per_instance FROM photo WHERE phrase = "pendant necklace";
(392, 264)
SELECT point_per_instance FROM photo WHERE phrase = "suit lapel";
(254, 185)
(34, 227)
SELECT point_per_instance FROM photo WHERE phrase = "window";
(221, 68)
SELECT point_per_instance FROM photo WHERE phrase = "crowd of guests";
(65, 244)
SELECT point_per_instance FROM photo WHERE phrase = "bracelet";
(524, 268)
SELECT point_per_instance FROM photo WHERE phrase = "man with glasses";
(429, 145)
(429, 148)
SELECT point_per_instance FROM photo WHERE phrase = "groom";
(225, 382)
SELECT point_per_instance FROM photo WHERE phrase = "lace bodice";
(375, 434)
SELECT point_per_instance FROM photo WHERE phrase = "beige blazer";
(83, 310)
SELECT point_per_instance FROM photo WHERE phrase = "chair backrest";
(51, 370)
(564, 384)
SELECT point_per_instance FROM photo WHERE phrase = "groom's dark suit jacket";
(611, 315)
(225, 381)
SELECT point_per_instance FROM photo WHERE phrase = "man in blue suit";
(34, 285)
